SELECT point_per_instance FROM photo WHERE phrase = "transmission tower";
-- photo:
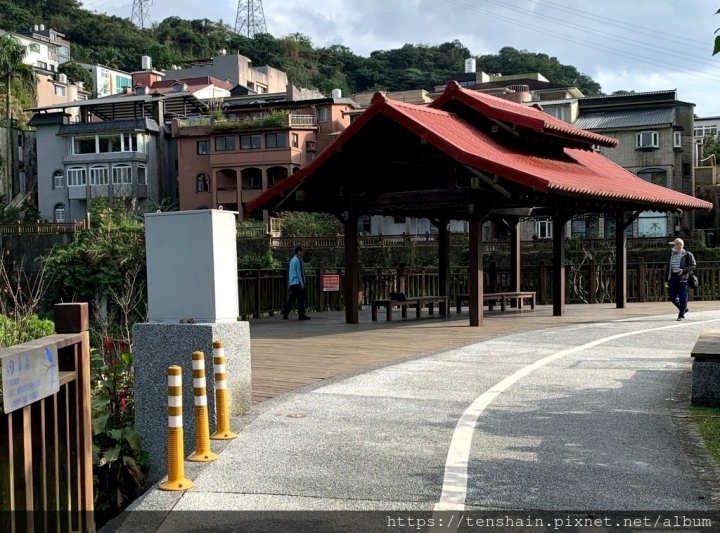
(250, 18)
(141, 12)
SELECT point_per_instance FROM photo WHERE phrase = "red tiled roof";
(194, 84)
(525, 116)
(580, 173)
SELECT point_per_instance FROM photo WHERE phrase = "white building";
(41, 53)
(108, 81)
(704, 127)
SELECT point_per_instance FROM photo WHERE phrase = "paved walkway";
(569, 418)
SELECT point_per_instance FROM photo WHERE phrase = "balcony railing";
(301, 121)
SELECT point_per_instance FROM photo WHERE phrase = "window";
(597, 148)
(398, 220)
(99, 176)
(202, 183)
(223, 144)
(142, 175)
(109, 144)
(250, 142)
(295, 141)
(702, 131)
(84, 145)
(59, 212)
(59, 90)
(686, 169)
(252, 178)
(544, 229)
(323, 114)
(657, 176)
(58, 179)
(557, 112)
(42, 66)
(275, 140)
(34, 47)
(677, 139)
(76, 177)
(276, 175)
(142, 143)
(203, 147)
(121, 174)
(647, 139)
(129, 142)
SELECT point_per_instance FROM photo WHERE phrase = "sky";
(640, 45)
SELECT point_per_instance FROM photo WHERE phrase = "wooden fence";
(459, 239)
(46, 476)
(263, 291)
(39, 228)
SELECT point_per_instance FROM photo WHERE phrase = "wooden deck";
(289, 354)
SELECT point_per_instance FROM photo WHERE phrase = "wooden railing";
(46, 476)
(378, 241)
(38, 228)
(263, 291)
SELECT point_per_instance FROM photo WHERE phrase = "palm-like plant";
(13, 71)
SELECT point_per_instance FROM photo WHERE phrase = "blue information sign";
(29, 376)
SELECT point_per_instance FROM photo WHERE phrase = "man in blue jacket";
(296, 282)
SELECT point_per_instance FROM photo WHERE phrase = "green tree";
(75, 72)
(716, 48)
(14, 73)
(711, 146)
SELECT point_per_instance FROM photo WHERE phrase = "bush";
(18, 330)
(120, 463)
(294, 224)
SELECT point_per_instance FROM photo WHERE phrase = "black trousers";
(296, 291)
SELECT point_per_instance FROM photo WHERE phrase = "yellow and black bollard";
(221, 397)
(176, 456)
(203, 453)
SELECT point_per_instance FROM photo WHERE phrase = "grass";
(708, 422)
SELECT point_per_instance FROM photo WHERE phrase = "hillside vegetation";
(116, 42)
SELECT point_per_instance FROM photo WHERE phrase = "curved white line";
(454, 491)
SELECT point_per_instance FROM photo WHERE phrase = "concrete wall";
(238, 70)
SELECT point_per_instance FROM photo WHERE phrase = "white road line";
(454, 491)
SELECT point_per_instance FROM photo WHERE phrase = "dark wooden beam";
(476, 275)
(559, 221)
(621, 225)
(444, 261)
(515, 255)
(352, 270)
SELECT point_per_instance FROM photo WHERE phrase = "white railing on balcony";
(301, 120)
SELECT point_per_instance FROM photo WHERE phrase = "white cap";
(677, 241)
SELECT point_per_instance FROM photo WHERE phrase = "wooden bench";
(418, 303)
(493, 297)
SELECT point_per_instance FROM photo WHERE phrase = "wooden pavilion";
(470, 156)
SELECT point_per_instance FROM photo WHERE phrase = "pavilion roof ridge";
(531, 117)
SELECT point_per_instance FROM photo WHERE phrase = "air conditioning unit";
(62, 78)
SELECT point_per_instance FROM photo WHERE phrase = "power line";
(640, 44)
(595, 46)
(614, 22)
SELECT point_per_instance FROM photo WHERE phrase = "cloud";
(632, 45)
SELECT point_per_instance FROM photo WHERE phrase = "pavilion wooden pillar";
(514, 257)
(352, 274)
(559, 222)
(621, 225)
(620, 262)
(476, 276)
(444, 262)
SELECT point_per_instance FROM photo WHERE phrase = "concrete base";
(706, 383)
(158, 346)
